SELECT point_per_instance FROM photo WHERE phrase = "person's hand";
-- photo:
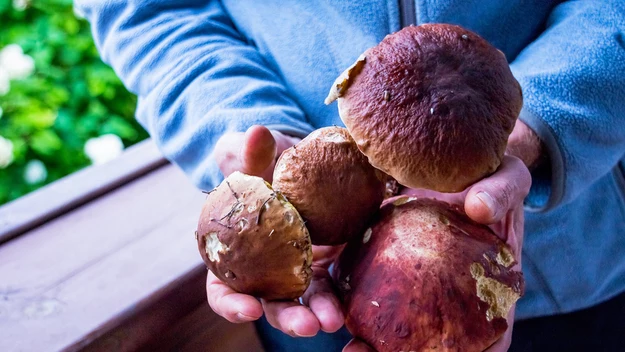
(496, 201)
(253, 152)
(319, 308)
(525, 144)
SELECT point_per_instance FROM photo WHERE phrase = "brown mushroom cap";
(425, 277)
(252, 239)
(431, 105)
(331, 184)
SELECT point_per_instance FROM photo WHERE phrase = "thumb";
(489, 200)
(252, 152)
(258, 151)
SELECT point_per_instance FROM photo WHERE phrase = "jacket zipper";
(407, 13)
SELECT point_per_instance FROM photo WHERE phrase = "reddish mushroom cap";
(427, 278)
(431, 105)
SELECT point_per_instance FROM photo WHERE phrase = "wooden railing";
(106, 260)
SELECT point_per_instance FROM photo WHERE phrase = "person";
(227, 85)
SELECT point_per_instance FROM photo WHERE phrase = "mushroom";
(427, 278)
(332, 185)
(254, 240)
(431, 105)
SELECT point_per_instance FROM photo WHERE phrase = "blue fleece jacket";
(201, 68)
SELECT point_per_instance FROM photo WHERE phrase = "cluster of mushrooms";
(430, 107)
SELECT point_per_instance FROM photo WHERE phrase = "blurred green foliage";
(71, 96)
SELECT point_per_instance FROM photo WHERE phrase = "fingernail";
(242, 316)
(298, 334)
(489, 202)
(303, 335)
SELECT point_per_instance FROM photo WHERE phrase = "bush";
(70, 97)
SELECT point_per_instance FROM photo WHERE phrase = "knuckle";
(225, 161)
(521, 174)
(526, 182)
(508, 191)
(223, 152)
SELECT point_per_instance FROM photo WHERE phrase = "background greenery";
(71, 97)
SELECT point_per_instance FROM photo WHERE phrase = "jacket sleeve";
(195, 76)
(573, 80)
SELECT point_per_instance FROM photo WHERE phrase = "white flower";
(35, 172)
(104, 148)
(16, 64)
(5, 82)
(20, 5)
(6, 152)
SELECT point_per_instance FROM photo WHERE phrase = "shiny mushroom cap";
(431, 105)
(331, 184)
(254, 240)
(427, 278)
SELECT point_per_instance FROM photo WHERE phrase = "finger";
(510, 229)
(452, 198)
(324, 256)
(356, 345)
(226, 152)
(252, 152)
(233, 306)
(291, 318)
(258, 150)
(283, 141)
(325, 306)
(489, 200)
(321, 298)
